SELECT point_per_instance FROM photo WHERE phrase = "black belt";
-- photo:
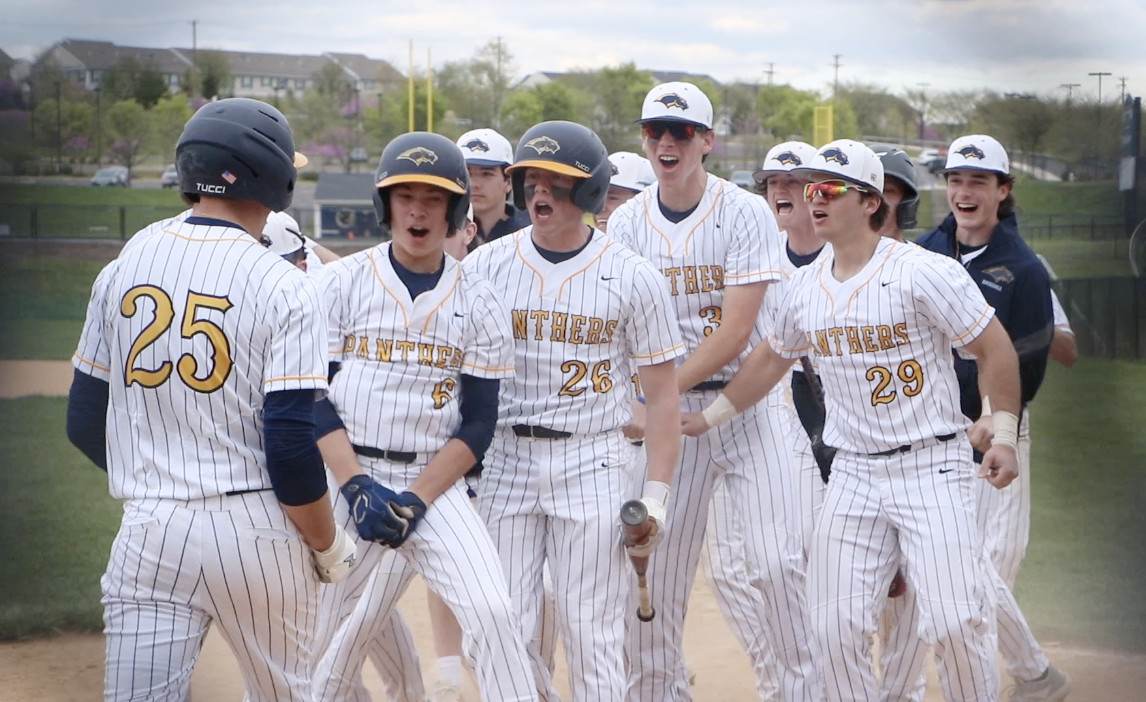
(907, 447)
(527, 431)
(395, 456)
(708, 385)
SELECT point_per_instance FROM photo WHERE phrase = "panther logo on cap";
(837, 155)
(789, 159)
(476, 145)
(419, 155)
(614, 167)
(543, 145)
(673, 100)
(971, 151)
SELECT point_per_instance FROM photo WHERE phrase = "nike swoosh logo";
(885, 283)
(942, 471)
(457, 314)
(608, 277)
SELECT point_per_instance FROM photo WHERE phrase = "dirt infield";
(70, 667)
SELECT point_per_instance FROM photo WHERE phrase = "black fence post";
(34, 225)
(122, 222)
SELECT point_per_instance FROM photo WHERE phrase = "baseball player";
(195, 384)
(718, 247)
(488, 154)
(981, 233)
(881, 318)
(723, 559)
(423, 346)
(586, 314)
(631, 173)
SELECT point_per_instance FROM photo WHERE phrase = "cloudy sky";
(1004, 45)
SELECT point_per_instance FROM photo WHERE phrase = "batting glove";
(335, 562)
(408, 509)
(370, 508)
(656, 494)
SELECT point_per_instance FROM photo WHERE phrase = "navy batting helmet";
(239, 149)
(570, 149)
(423, 157)
(898, 165)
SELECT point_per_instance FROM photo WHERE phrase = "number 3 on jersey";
(164, 315)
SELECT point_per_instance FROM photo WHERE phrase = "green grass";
(58, 523)
(42, 305)
(1043, 197)
(78, 211)
(21, 194)
(1084, 576)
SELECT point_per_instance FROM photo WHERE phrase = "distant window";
(300, 83)
(248, 81)
(268, 82)
(173, 80)
(367, 85)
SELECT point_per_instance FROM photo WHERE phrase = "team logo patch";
(673, 100)
(836, 155)
(230, 177)
(544, 145)
(476, 145)
(971, 151)
(419, 155)
(615, 170)
(789, 159)
(1000, 274)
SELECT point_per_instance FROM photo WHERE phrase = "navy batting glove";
(409, 509)
(370, 509)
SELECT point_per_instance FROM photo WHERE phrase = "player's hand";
(370, 509)
(981, 433)
(635, 429)
(335, 562)
(898, 584)
(658, 513)
(1000, 465)
(693, 423)
(407, 510)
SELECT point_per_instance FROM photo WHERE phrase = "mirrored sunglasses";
(830, 189)
(681, 131)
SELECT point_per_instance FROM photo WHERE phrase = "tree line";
(134, 113)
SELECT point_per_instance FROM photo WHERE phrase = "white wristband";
(1006, 429)
(719, 412)
(657, 490)
(986, 406)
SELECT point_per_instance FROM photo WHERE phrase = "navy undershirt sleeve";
(87, 417)
(295, 466)
(479, 413)
(326, 417)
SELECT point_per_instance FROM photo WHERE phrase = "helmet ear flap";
(518, 179)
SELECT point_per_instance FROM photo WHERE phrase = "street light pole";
(1100, 74)
(923, 110)
(1069, 89)
(99, 129)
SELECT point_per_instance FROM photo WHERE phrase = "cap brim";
(485, 162)
(437, 181)
(300, 160)
(671, 118)
(551, 166)
(975, 168)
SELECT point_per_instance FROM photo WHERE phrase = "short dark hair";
(879, 217)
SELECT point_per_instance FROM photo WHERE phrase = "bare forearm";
(445, 469)
(760, 371)
(315, 521)
(662, 436)
(338, 455)
(712, 355)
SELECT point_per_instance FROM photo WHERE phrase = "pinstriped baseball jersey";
(730, 239)
(576, 324)
(191, 327)
(401, 357)
(881, 339)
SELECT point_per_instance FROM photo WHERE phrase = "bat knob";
(634, 513)
(646, 617)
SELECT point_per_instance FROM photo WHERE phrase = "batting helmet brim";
(300, 160)
(437, 181)
(552, 166)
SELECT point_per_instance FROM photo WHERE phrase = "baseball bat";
(637, 525)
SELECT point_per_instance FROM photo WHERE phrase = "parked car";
(744, 179)
(169, 178)
(111, 176)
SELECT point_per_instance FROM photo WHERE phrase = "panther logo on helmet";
(544, 145)
(419, 155)
(789, 159)
(971, 151)
(673, 100)
(476, 145)
(836, 155)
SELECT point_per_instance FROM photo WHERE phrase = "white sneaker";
(445, 692)
(1052, 686)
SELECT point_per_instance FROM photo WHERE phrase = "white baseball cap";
(470, 212)
(485, 147)
(677, 102)
(631, 171)
(849, 160)
(784, 158)
(978, 152)
(284, 233)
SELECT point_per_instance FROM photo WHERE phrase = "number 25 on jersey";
(187, 366)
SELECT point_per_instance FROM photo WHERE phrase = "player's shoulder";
(493, 252)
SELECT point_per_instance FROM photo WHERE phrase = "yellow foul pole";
(410, 89)
(429, 92)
